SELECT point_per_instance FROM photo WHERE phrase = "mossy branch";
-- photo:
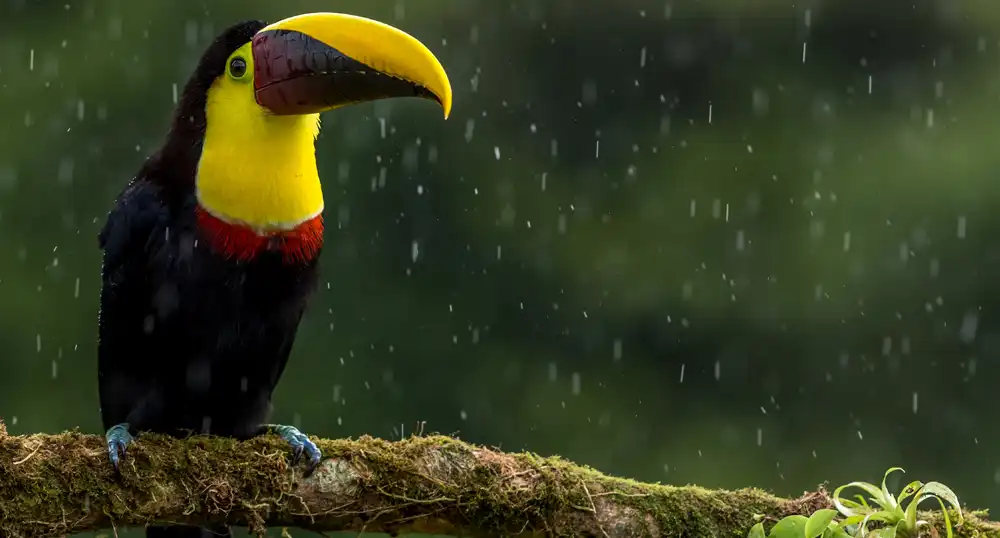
(54, 485)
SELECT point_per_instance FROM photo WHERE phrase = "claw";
(300, 443)
(118, 438)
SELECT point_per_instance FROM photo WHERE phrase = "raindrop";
(970, 323)
(470, 128)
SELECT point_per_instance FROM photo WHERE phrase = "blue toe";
(312, 452)
(118, 439)
(300, 444)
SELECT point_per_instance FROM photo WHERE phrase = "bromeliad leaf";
(886, 496)
(838, 532)
(818, 522)
(909, 490)
(947, 520)
(944, 493)
(884, 532)
(872, 490)
(849, 507)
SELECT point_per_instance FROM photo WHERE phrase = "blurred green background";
(713, 241)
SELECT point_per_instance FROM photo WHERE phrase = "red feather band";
(298, 245)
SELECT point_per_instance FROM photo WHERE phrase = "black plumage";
(190, 340)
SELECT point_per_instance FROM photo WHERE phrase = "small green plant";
(851, 518)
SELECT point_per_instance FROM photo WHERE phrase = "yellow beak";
(319, 61)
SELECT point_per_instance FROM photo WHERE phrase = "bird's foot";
(118, 438)
(299, 442)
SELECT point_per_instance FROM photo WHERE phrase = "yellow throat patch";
(256, 169)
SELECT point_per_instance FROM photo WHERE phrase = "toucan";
(210, 252)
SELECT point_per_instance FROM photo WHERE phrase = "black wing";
(135, 228)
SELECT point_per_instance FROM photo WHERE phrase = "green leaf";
(944, 492)
(947, 520)
(885, 491)
(846, 507)
(818, 522)
(789, 527)
(838, 502)
(911, 509)
(886, 516)
(852, 520)
(836, 532)
(884, 532)
(757, 531)
(863, 527)
(909, 490)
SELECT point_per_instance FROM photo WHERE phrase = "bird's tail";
(186, 531)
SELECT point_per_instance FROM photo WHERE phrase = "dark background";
(713, 241)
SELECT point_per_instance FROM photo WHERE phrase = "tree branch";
(54, 485)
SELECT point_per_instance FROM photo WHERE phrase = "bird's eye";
(237, 67)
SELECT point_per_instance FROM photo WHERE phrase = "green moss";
(60, 484)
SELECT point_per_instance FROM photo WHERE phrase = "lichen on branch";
(54, 485)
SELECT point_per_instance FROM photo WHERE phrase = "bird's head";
(255, 98)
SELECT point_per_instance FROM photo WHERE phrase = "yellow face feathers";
(256, 168)
(258, 161)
